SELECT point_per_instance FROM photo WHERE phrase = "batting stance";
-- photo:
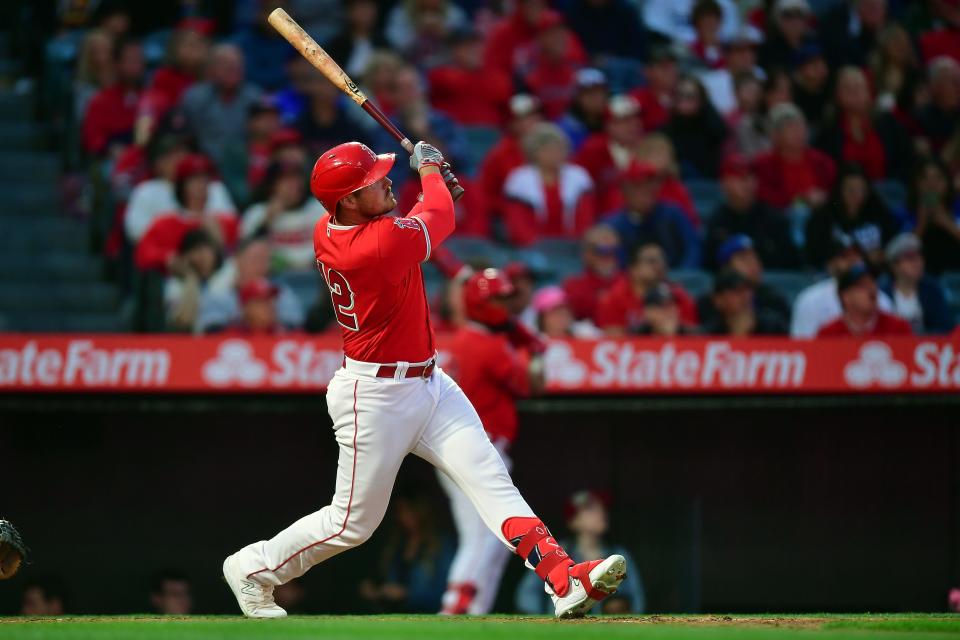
(389, 398)
(492, 374)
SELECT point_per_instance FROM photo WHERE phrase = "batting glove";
(425, 155)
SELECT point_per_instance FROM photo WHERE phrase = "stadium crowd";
(651, 139)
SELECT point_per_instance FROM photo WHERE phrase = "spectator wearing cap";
(850, 31)
(819, 303)
(917, 297)
(671, 20)
(739, 56)
(792, 171)
(736, 311)
(661, 315)
(789, 29)
(853, 133)
(933, 207)
(555, 317)
(738, 254)
(198, 258)
(587, 112)
(419, 28)
(464, 90)
(258, 309)
(939, 118)
(511, 41)
(220, 303)
(285, 213)
(620, 310)
(261, 43)
(608, 29)
(551, 72)
(109, 121)
(606, 154)
(520, 304)
(943, 38)
(861, 315)
(156, 196)
(645, 218)
(587, 518)
(655, 99)
(741, 214)
(217, 109)
(187, 52)
(158, 246)
(696, 130)
(358, 38)
(811, 83)
(507, 154)
(601, 266)
(548, 197)
(324, 121)
(855, 213)
(706, 50)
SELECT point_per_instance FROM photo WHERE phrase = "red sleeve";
(834, 329)
(230, 226)
(474, 218)
(610, 312)
(900, 327)
(159, 242)
(586, 212)
(94, 130)
(685, 304)
(520, 223)
(508, 369)
(403, 242)
(769, 185)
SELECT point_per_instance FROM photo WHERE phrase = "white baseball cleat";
(590, 582)
(255, 599)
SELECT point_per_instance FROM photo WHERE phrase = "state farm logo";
(876, 365)
(290, 364)
(562, 367)
(235, 363)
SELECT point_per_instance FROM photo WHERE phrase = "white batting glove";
(425, 155)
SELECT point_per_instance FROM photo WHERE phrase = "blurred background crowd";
(657, 167)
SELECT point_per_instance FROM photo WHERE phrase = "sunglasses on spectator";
(604, 249)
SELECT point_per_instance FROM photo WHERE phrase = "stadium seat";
(790, 283)
(479, 142)
(951, 283)
(892, 192)
(477, 251)
(696, 282)
(706, 195)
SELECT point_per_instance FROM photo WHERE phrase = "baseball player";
(390, 398)
(486, 365)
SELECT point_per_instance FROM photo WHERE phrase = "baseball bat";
(315, 55)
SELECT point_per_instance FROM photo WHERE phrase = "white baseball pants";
(377, 422)
(481, 557)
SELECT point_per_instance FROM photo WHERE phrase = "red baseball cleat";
(590, 582)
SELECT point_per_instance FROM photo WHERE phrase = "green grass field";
(761, 627)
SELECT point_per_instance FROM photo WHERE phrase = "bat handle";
(456, 192)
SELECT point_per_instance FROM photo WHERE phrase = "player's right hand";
(425, 155)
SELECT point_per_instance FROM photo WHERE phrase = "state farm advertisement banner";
(161, 363)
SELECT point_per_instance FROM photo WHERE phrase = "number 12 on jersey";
(342, 297)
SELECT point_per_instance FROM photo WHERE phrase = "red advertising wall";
(162, 363)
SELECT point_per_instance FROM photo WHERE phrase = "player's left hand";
(12, 550)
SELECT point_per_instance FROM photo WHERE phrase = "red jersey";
(492, 375)
(886, 324)
(163, 238)
(110, 118)
(373, 273)
(584, 291)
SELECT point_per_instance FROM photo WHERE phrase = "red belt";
(422, 371)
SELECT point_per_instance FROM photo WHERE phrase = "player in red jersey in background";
(390, 398)
(493, 372)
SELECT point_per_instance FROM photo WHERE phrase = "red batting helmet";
(479, 294)
(344, 169)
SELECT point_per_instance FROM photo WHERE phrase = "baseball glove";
(12, 550)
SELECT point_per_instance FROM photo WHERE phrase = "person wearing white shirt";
(285, 216)
(671, 19)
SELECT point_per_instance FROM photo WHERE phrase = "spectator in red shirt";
(621, 312)
(158, 247)
(707, 17)
(511, 41)
(792, 171)
(258, 308)
(263, 124)
(551, 74)
(606, 155)
(186, 54)
(548, 197)
(95, 70)
(507, 154)
(464, 89)
(601, 265)
(110, 117)
(861, 315)
(656, 98)
(944, 40)
(555, 317)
